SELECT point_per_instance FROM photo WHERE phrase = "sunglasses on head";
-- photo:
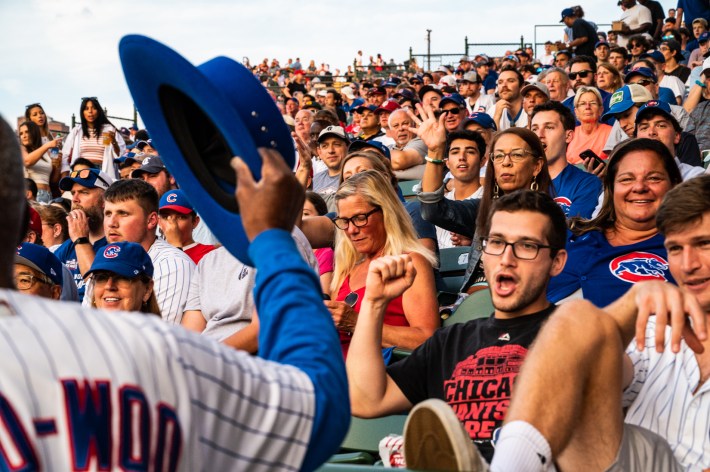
(583, 74)
(83, 99)
(86, 174)
(32, 105)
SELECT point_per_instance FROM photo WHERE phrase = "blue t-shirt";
(693, 9)
(577, 191)
(605, 272)
(491, 81)
(666, 95)
(66, 253)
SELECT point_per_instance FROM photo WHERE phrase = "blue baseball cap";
(655, 108)
(89, 178)
(655, 55)
(123, 258)
(643, 71)
(601, 43)
(176, 200)
(362, 108)
(565, 13)
(453, 98)
(200, 117)
(129, 158)
(703, 37)
(40, 259)
(483, 119)
(626, 97)
(360, 145)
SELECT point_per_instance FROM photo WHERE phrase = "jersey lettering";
(16, 450)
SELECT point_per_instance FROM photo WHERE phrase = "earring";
(495, 190)
(533, 185)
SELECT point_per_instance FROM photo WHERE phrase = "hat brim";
(200, 117)
(177, 208)
(117, 267)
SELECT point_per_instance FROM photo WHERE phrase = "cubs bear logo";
(639, 267)
(111, 251)
(564, 203)
(171, 198)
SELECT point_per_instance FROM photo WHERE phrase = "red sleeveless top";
(394, 315)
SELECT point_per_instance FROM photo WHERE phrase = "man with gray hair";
(408, 152)
(557, 83)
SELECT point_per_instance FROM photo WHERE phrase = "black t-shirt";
(294, 87)
(681, 72)
(472, 367)
(581, 29)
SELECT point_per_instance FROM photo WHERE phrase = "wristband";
(702, 84)
(81, 240)
(433, 161)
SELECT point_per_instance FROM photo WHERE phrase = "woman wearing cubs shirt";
(121, 278)
(621, 246)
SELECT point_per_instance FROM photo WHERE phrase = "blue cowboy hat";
(200, 117)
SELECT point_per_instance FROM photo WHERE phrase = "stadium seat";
(361, 445)
(452, 267)
(407, 188)
(477, 305)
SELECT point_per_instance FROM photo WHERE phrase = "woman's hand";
(343, 315)
(388, 277)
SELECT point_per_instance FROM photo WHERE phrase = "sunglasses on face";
(645, 82)
(583, 74)
(455, 110)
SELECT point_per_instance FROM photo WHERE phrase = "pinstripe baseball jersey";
(86, 390)
(661, 398)
(172, 270)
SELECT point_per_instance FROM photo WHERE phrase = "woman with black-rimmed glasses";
(373, 223)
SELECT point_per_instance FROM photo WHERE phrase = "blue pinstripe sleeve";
(296, 329)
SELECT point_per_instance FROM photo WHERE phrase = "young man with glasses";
(472, 366)
(85, 222)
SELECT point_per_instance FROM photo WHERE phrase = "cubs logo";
(171, 198)
(564, 203)
(652, 103)
(639, 267)
(111, 251)
(19, 248)
(146, 161)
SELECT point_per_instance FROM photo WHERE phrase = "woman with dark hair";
(517, 161)
(91, 138)
(35, 113)
(39, 166)
(621, 245)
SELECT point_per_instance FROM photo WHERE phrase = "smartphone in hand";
(589, 154)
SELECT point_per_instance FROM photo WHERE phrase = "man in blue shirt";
(576, 190)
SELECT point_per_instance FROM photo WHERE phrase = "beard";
(95, 216)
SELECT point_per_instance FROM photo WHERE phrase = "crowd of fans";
(604, 123)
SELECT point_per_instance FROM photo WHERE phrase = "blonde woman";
(590, 133)
(372, 223)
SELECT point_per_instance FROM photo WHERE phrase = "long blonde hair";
(401, 237)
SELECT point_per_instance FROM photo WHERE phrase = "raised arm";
(372, 392)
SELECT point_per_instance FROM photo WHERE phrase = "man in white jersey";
(131, 214)
(589, 363)
(84, 390)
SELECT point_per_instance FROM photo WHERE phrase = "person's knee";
(581, 323)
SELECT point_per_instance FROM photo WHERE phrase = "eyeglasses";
(357, 220)
(32, 105)
(86, 174)
(455, 110)
(515, 155)
(101, 278)
(583, 74)
(664, 48)
(524, 250)
(645, 82)
(27, 281)
(634, 46)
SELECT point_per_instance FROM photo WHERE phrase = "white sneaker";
(434, 439)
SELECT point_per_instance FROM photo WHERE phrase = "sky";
(57, 51)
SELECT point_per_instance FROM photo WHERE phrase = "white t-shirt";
(506, 121)
(482, 104)
(634, 17)
(443, 236)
